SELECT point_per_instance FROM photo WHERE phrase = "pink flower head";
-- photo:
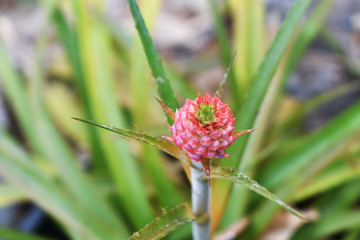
(203, 128)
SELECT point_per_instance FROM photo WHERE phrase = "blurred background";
(63, 59)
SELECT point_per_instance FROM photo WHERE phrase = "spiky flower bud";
(203, 128)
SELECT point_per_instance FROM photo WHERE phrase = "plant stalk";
(200, 196)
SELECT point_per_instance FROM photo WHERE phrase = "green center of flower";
(205, 114)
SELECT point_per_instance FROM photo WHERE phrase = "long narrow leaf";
(10, 194)
(159, 143)
(68, 38)
(140, 84)
(257, 90)
(165, 91)
(327, 181)
(50, 145)
(301, 159)
(11, 84)
(259, 85)
(225, 50)
(95, 50)
(12, 234)
(353, 234)
(346, 197)
(307, 34)
(249, 40)
(179, 84)
(333, 134)
(142, 89)
(61, 157)
(166, 223)
(330, 225)
(165, 191)
(238, 177)
(17, 168)
(248, 161)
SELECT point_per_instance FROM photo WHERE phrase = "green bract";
(205, 114)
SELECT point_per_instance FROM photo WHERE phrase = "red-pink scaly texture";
(202, 141)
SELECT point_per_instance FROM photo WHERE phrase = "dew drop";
(160, 79)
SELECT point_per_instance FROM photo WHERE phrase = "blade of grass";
(341, 128)
(239, 195)
(68, 37)
(345, 198)
(309, 31)
(330, 225)
(163, 85)
(249, 39)
(51, 146)
(257, 90)
(159, 143)
(166, 223)
(352, 235)
(294, 119)
(9, 195)
(95, 49)
(266, 110)
(12, 88)
(124, 40)
(241, 43)
(12, 234)
(225, 50)
(256, 35)
(334, 43)
(63, 160)
(165, 192)
(181, 87)
(299, 162)
(327, 181)
(62, 104)
(245, 118)
(140, 84)
(222, 84)
(239, 177)
(17, 168)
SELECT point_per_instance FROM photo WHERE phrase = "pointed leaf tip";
(207, 167)
(243, 132)
(166, 223)
(219, 91)
(161, 144)
(239, 177)
(168, 110)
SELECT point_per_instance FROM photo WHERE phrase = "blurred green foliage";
(128, 183)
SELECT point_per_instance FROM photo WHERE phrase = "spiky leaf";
(239, 177)
(166, 223)
(219, 91)
(159, 143)
(163, 84)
